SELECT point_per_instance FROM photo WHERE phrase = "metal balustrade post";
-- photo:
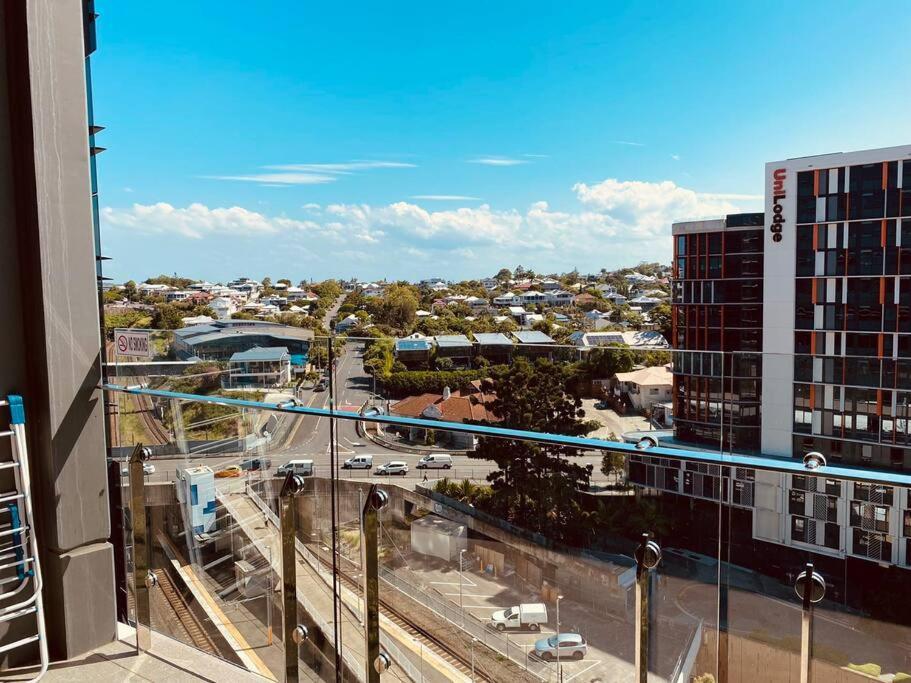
(292, 634)
(141, 547)
(648, 555)
(377, 499)
(810, 588)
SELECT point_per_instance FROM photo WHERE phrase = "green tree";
(661, 317)
(396, 308)
(503, 274)
(612, 463)
(167, 317)
(536, 483)
(129, 290)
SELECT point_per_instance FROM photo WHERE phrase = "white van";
(303, 468)
(359, 462)
(437, 461)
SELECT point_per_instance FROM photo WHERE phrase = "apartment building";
(821, 284)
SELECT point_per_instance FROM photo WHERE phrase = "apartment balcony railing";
(278, 542)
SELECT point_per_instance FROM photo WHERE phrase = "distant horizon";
(386, 142)
(295, 281)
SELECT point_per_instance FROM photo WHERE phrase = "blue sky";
(406, 140)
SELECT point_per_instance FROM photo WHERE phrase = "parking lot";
(610, 641)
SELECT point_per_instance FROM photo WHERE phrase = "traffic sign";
(132, 343)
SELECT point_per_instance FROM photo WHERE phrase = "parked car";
(321, 385)
(392, 468)
(147, 469)
(441, 461)
(561, 646)
(358, 462)
(527, 615)
(255, 464)
(229, 471)
(303, 468)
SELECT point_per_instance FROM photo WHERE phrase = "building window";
(797, 502)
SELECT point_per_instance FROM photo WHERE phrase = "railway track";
(154, 429)
(182, 614)
(430, 641)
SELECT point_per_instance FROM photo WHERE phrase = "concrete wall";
(50, 345)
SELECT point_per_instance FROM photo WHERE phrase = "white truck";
(529, 616)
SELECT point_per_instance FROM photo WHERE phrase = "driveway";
(611, 422)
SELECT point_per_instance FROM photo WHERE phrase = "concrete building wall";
(50, 346)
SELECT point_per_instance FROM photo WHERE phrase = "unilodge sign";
(132, 343)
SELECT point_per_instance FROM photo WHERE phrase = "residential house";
(300, 294)
(259, 367)
(456, 347)
(347, 323)
(646, 303)
(189, 321)
(177, 295)
(223, 307)
(477, 303)
(639, 279)
(584, 298)
(490, 283)
(616, 298)
(549, 284)
(471, 405)
(532, 297)
(431, 281)
(494, 346)
(439, 287)
(508, 299)
(605, 289)
(534, 344)
(147, 289)
(518, 313)
(649, 340)
(644, 387)
(414, 352)
(560, 297)
(372, 289)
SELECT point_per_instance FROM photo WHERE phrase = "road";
(308, 437)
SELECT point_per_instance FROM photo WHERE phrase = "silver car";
(394, 467)
(561, 646)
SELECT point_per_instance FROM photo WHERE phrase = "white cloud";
(342, 168)
(614, 223)
(197, 220)
(647, 209)
(537, 156)
(278, 178)
(309, 174)
(675, 157)
(446, 197)
(627, 143)
(497, 161)
(128, 189)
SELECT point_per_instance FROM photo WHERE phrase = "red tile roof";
(456, 408)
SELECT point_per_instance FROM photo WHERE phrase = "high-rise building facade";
(717, 307)
(833, 299)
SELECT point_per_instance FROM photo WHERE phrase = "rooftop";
(452, 340)
(259, 353)
(492, 339)
(533, 337)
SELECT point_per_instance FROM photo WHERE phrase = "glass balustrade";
(521, 494)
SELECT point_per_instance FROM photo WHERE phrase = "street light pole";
(559, 663)
(461, 608)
